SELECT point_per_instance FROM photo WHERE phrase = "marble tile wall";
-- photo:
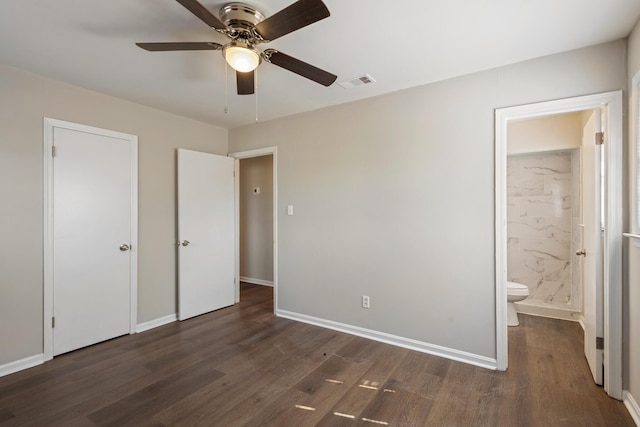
(542, 202)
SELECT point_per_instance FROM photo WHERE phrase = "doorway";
(256, 220)
(612, 104)
(90, 229)
(264, 233)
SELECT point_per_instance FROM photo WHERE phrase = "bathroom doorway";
(564, 224)
(544, 212)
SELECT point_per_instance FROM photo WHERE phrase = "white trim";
(436, 350)
(581, 322)
(247, 155)
(133, 269)
(632, 406)
(48, 239)
(550, 312)
(160, 321)
(501, 239)
(256, 281)
(49, 125)
(634, 154)
(236, 227)
(19, 365)
(613, 227)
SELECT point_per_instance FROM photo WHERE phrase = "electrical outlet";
(365, 301)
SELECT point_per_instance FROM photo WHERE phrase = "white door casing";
(90, 212)
(206, 233)
(591, 238)
(612, 247)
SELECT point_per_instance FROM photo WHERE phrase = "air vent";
(358, 81)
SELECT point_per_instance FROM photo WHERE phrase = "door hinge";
(599, 343)
(53, 151)
(599, 138)
(53, 322)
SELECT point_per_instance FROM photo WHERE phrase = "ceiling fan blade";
(245, 82)
(299, 67)
(170, 46)
(203, 13)
(291, 18)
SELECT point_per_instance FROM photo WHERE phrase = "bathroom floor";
(242, 366)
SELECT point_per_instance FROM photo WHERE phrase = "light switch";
(289, 209)
(256, 190)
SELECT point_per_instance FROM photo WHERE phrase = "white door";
(206, 233)
(92, 205)
(593, 256)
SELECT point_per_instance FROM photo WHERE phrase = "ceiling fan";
(246, 27)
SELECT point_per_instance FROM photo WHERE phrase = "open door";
(206, 233)
(592, 264)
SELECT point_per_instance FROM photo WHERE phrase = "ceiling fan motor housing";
(242, 19)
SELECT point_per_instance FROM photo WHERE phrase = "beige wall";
(394, 198)
(631, 337)
(25, 100)
(560, 132)
(256, 218)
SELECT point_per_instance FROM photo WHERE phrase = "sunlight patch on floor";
(340, 414)
(384, 423)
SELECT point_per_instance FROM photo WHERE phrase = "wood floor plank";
(244, 366)
(144, 403)
(211, 402)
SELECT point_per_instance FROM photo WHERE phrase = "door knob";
(124, 247)
(185, 243)
(581, 252)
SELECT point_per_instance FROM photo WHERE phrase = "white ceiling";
(402, 43)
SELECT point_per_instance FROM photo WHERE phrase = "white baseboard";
(581, 321)
(256, 281)
(436, 350)
(632, 406)
(550, 312)
(19, 365)
(141, 327)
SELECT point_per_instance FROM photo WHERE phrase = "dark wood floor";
(243, 366)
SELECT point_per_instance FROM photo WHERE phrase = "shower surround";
(543, 200)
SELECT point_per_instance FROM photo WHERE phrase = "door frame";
(273, 151)
(613, 223)
(48, 197)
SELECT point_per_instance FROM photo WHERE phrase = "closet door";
(92, 226)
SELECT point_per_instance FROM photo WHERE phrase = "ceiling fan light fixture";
(241, 58)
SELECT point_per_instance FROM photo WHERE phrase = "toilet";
(515, 292)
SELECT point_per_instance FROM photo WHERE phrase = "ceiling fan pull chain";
(226, 88)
